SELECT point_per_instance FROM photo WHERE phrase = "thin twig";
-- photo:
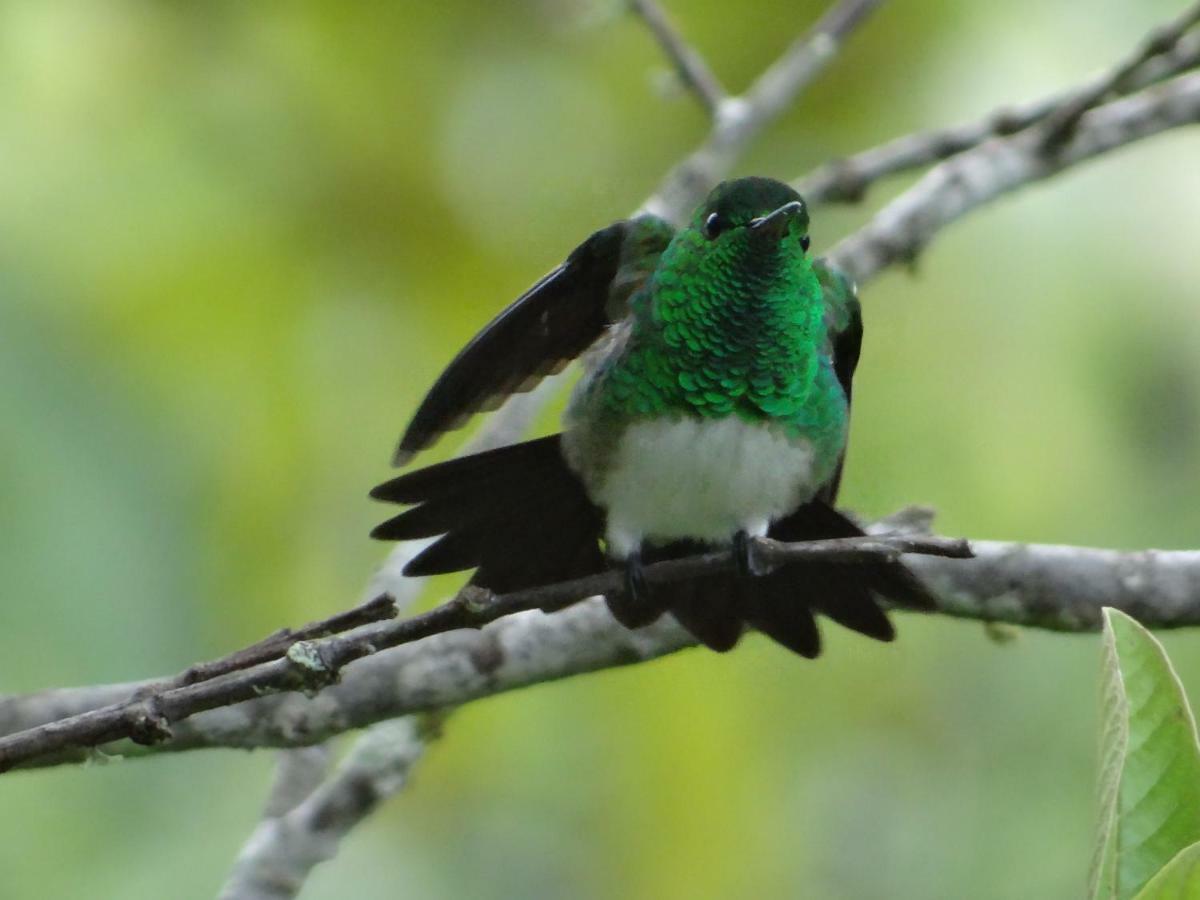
(741, 119)
(689, 65)
(312, 665)
(276, 645)
(1061, 124)
(998, 166)
(779, 86)
(847, 180)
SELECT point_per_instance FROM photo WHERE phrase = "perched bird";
(714, 408)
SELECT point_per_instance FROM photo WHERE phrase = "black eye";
(804, 242)
(714, 225)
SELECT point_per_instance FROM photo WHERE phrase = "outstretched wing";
(543, 330)
(843, 324)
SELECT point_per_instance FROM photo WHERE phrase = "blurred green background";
(238, 241)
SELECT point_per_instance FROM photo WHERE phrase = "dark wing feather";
(538, 334)
(517, 515)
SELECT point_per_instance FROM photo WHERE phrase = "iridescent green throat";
(734, 330)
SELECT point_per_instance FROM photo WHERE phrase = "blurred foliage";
(237, 242)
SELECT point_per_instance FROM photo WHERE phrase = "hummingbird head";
(755, 216)
(733, 315)
(737, 276)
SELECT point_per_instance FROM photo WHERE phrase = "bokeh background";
(237, 241)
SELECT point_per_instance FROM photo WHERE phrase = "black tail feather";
(781, 604)
(635, 613)
(517, 515)
(777, 612)
(841, 590)
(709, 610)
(521, 519)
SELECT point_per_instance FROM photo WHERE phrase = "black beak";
(775, 223)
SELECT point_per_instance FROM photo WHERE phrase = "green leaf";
(1150, 763)
(1179, 880)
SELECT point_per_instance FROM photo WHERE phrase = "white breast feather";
(702, 479)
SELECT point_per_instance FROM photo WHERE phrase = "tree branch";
(689, 65)
(1064, 588)
(779, 86)
(740, 119)
(1001, 165)
(1063, 121)
(299, 772)
(310, 665)
(1042, 586)
(276, 645)
(847, 180)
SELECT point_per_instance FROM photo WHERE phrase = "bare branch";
(1044, 586)
(779, 86)
(740, 119)
(693, 71)
(1063, 121)
(284, 848)
(847, 180)
(313, 665)
(998, 166)
(276, 645)
(299, 772)
(1064, 588)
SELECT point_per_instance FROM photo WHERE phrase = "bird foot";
(633, 607)
(744, 557)
(636, 589)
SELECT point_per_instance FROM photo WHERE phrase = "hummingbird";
(714, 408)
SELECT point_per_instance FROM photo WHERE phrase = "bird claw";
(636, 588)
(744, 557)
